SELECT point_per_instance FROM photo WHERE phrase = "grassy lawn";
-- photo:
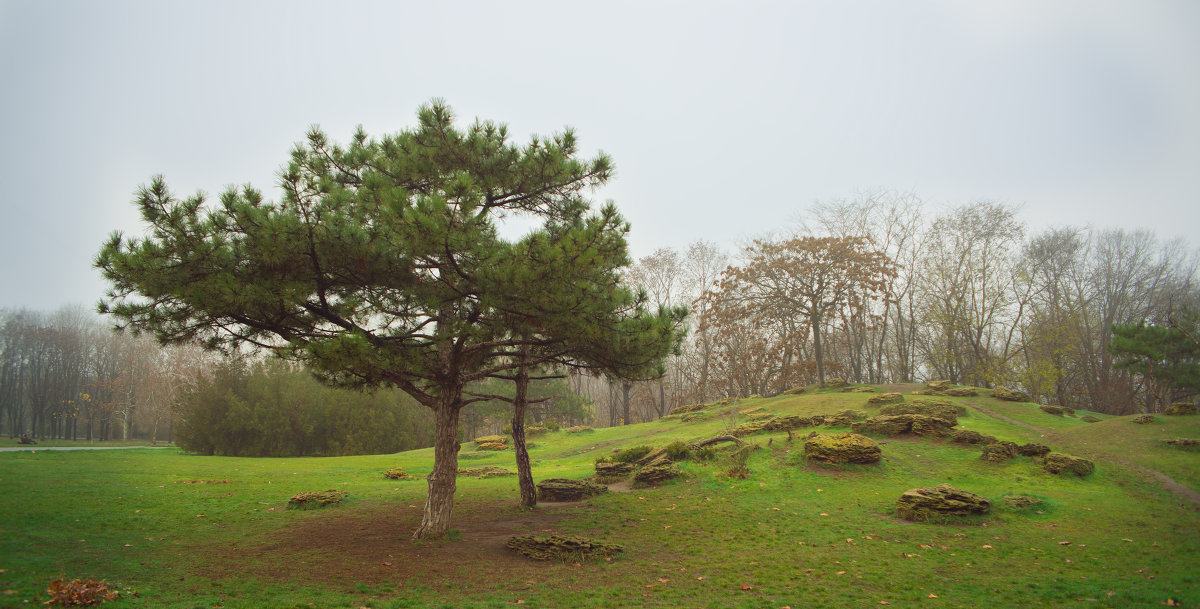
(188, 531)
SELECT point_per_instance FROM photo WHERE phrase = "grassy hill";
(189, 531)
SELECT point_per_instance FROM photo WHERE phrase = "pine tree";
(382, 265)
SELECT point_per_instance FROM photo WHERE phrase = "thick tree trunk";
(443, 480)
(524, 470)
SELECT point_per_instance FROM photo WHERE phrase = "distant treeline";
(272, 409)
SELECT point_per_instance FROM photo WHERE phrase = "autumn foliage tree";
(382, 265)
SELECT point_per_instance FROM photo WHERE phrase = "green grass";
(792, 534)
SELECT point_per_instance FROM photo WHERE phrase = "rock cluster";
(844, 418)
(968, 436)
(558, 547)
(1057, 463)
(1033, 449)
(923, 504)
(842, 448)
(894, 425)
(1143, 419)
(562, 489)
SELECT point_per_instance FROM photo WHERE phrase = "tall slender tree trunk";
(443, 480)
(818, 350)
(626, 386)
(524, 470)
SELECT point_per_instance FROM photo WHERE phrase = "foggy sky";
(725, 120)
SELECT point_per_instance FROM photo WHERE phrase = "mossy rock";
(558, 547)
(579, 429)
(316, 500)
(1010, 395)
(938, 385)
(1022, 502)
(794, 391)
(694, 416)
(962, 392)
(998, 452)
(754, 416)
(686, 408)
(1143, 419)
(842, 448)
(1057, 463)
(946, 412)
(1184, 443)
(844, 418)
(488, 471)
(858, 389)
(752, 427)
(885, 398)
(787, 422)
(655, 474)
(628, 455)
(835, 383)
(1087, 418)
(491, 440)
(492, 446)
(397, 473)
(1033, 449)
(611, 472)
(535, 430)
(563, 489)
(1180, 409)
(1054, 410)
(894, 425)
(941, 501)
(969, 436)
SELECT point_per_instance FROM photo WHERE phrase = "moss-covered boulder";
(998, 452)
(492, 446)
(558, 547)
(1057, 411)
(1033, 449)
(937, 385)
(487, 471)
(1143, 419)
(894, 425)
(563, 489)
(579, 429)
(792, 421)
(946, 412)
(844, 418)
(1022, 502)
(968, 436)
(686, 408)
(865, 389)
(397, 473)
(1178, 409)
(794, 391)
(656, 473)
(941, 501)
(1057, 463)
(835, 383)
(751, 427)
(495, 439)
(961, 392)
(754, 416)
(316, 500)
(885, 398)
(842, 448)
(1010, 395)
(611, 472)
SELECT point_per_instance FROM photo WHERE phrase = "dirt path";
(1178, 489)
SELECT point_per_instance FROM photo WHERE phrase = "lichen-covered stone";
(1054, 410)
(686, 408)
(1033, 449)
(558, 547)
(1180, 409)
(694, 416)
(579, 429)
(1056, 463)
(1010, 395)
(842, 448)
(488, 471)
(750, 410)
(491, 440)
(998, 452)
(885, 398)
(922, 504)
(316, 500)
(792, 421)
(946, 412)
(563, 489)
(894, 425)
(655, 473)
(1143, 419)
(1021, 502)
(969, 436)
(754, 416)
(858, 389)
(611, 472)
(961, 392)
(844, 418)
(835, 383)
(937, 385)
(746, 429)
(492, 446)
(397, 473)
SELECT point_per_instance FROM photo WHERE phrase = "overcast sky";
(725, 120)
